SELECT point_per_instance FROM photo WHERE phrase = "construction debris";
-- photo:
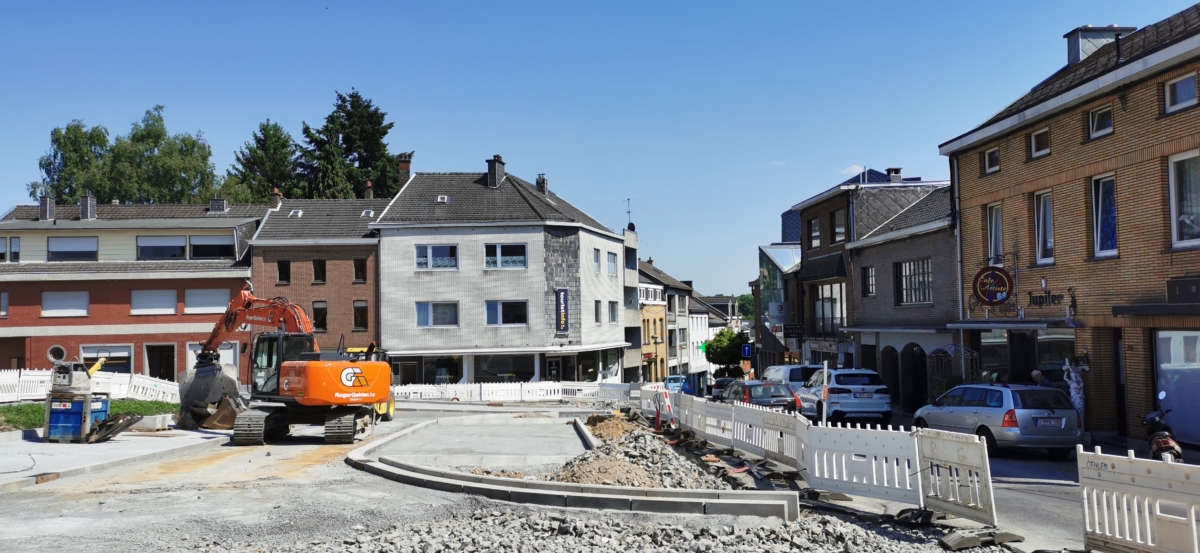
(606, 427)
(637, 456)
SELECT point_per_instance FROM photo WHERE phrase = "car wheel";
(1059, 453)
(920, 423)
(992, 448)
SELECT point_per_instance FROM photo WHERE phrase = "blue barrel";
(69, 417)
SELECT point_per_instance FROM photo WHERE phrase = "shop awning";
(1014, 324)
(908, 329)
(821, 268)
(1152, 309)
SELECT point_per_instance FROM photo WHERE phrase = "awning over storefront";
(1014, 324)
(1152, 309)
(899, 328)
(826, 266)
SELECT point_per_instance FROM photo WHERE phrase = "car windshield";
(858, 379)
(769, 390)
(722, 382)
(1041, 399)
(674, 379)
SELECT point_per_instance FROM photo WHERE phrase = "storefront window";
(503, 368)
(589, 366)
(1179, 376)
(443, 370)
(1054, 347)
(993, 355)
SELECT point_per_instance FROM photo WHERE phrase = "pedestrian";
(1039, 379)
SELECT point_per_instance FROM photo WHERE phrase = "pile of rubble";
(505, 531)
(638, 458)
(609, 427)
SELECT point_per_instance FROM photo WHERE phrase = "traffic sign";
(747, 351)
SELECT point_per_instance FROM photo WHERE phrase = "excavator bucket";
(201, 393)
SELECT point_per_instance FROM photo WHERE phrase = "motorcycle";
(1162, 443)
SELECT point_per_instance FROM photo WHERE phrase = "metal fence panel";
(955, 474)
(1132, 504)
(877, 463)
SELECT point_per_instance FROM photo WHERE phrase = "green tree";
(363, 131)
(746, 306)
(74, 165)
(233, 189)
(323, 164)
(268, 161)
(725, 349)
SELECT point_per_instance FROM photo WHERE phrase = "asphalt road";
(1039, 498)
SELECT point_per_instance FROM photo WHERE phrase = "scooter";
(1162, 443)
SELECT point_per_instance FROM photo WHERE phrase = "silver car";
(1007, 416)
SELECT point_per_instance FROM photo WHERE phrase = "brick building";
(1086, 191)
(142, 285)
(322, 255)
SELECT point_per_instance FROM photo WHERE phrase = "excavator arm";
(246, 308)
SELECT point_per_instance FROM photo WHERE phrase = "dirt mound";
(502, 473)
(610, 428)
(605, 470)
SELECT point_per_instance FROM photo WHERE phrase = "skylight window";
(296, 213)
(443, 199)
(368, 213)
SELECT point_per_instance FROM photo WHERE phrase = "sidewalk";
(29, 461)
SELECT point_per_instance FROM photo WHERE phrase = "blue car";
(674, 383)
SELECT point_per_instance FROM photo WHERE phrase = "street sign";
(747, 351)
(793, 330)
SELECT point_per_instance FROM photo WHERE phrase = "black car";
(765, 393)
(719, 386)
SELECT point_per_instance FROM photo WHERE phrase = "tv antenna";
(628, 210)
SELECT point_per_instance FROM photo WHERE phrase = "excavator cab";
(271, 349)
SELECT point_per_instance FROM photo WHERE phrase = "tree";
(268, 161)
(725, 348)
(362, 140)
(324, 165)
(74, 165)
(746, 306)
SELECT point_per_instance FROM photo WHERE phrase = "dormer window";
(443, 199)
(296, 213)
(367, 213)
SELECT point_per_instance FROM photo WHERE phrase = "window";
(1044, 222)
(153, 302)
(320, 316)
(1181, 93)
(1100, 122)
(3, 304)
(995, 234)
(1104, 215)
(1039, 143)
(512, 256)
(1185, 197)
(64, 304)
(284, 268)
(839, 226)
(612, 263)
(598, 312)
(201, 301)
(318, 271)
(507, 313)
(914, 281)
(596, 260)
(360, 269)
(828, 307)
(814, 233)
(161, 247)
(437, 257)
(437, 314)
(3, 249)
(212, 247)
(612, 312)
(360, 315)
(631, 259)
(868, 282)
(14, 250)
(73, 248)
(991, 160)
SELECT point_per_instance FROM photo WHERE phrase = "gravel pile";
(663, 466)
(610, 428)
(508, 532)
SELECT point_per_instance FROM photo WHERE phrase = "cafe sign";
(992, 286)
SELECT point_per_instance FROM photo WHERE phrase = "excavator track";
(344, 425)
(255, 426)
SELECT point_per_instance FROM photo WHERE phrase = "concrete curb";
(589, 441)
(210, 443)
(32, 434)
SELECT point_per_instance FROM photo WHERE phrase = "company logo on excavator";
(353, 377)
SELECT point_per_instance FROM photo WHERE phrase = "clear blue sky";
(713, 117)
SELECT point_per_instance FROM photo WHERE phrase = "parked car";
(1007, 416)
(767, 393)
(719, 385)
(853, 394)
(796, 376)
(674, 383)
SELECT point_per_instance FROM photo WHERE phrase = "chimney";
(370, 193)
(46, 208)
(276, 199)
(218, 205)
(87, 207)
(405, 165)
(893, 174)
(687, 283)
(650, 260)
(543, 185)
(495, 173)
(1083, 41)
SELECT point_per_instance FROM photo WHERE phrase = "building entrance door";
(160, 362)
(553, 369)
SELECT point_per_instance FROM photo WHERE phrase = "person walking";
(1039, 379)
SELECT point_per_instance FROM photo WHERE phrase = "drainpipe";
(957, 213)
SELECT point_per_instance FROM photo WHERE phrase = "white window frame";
(500, 313)
(599, 313)
(614, 309)
(1092, 132)
(1175, 241)
(209, 310)
(500, 258)
(417, 318)
(429, 256)
(914, 286)
(50, 240)
(1096, 251)
(995, 234)
(160, 294)
(1167, 94)
(596, 260)
(868, 276)
(613, 262)
(987, 166)
(1038, 227)
(211, 240)
(3, 304)
(175, 241)
(86, 311)
(1033, 151)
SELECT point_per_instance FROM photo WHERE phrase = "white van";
(795, 375)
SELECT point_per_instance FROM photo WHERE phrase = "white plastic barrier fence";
(718, 423)
(955, 474)
(541, 391)
(35, 383)
(1132, 504)
(877, 463)
(102, 383)
(10, 385)
(152, 389)
(614, 391)
(507, 391)
(748, 432)
(118, 388)
(580, 389)
(786, 439)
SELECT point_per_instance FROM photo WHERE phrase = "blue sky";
(713, 117)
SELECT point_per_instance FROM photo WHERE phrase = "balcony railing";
(672, 352)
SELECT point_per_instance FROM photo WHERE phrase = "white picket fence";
(1132, 504)
(927, 468)
(34, 384)
(495, 391)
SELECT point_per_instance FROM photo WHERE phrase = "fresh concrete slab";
(515, 442)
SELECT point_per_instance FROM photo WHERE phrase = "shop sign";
(1045, 298)
(793, 330)
(992, 286)
(562, 310)
(780, 313)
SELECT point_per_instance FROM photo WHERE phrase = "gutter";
(903, 233)
(540, 223)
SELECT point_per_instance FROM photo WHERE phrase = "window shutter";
(225, 240)
(64, 304)
(205, 300)
(153, 302)
(162, 241)
(74, 244)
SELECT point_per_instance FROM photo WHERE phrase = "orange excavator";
(291, 380)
